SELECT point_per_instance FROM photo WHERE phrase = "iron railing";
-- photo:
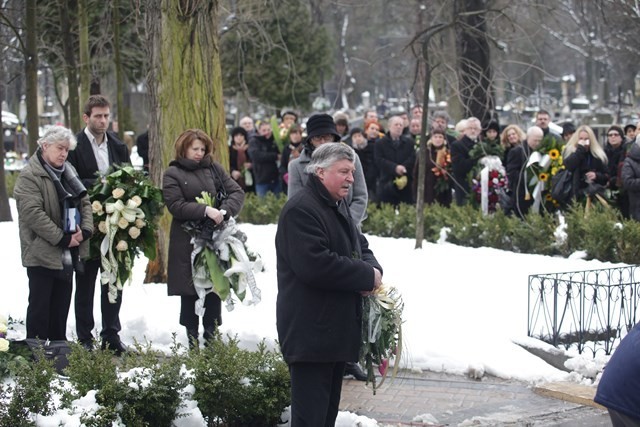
(591, 310)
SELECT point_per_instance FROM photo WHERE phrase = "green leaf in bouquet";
(148, 243)
(220, 282)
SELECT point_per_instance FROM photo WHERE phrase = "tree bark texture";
(185, 88)
(31, 75)
(5, 209)
(474, 68)
(73, 120)
(85, 71)
(118, 65)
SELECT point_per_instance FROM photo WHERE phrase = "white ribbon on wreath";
(227, 247)
(490, 163)
(115, 211)
(543, 161)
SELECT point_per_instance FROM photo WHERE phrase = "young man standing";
(97, 151)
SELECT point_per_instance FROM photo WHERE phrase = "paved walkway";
(454, 400)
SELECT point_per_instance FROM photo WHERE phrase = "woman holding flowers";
(192, 172)
(437, 183)
(55, 221)
(585, 157)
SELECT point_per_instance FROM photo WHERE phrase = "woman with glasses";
(191, 173)
(616, 149)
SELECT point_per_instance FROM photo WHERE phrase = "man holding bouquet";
(97, 151)
(324, 267)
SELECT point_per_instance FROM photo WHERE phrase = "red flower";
(382, 367)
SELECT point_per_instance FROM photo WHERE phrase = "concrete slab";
(569, 392)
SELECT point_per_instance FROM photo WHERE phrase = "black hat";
(239, 130)
(568, 128)
(321, 124)
(493, 125)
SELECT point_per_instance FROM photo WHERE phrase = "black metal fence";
(591, 310)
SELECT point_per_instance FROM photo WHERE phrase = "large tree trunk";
(475, 77)
(31, 75)
(185, 87)
(70, 67)
(118, 65)
(83, 35)
(5, 209)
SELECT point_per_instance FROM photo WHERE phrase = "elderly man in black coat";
(324, 267)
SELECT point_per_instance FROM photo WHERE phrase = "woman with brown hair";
(192, 172)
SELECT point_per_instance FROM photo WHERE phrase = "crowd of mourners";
(267, 158)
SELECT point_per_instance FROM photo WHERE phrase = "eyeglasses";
(324, 138)
(613, 134)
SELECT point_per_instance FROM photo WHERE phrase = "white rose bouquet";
(126, 206)
(11, 357)
(381, 332)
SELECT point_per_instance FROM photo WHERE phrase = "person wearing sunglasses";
(616, 148)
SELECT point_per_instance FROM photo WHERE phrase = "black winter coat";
(516, 166)
(323, 264)
(461, 165)
(580, 162)
(83, 159)
(182, 182)
(631, 180)
(387, 157)
(264, 156)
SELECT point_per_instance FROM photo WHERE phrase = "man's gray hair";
(57, 135)
(328, 154)
(441, 114)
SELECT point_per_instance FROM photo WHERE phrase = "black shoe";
(114, 345)
(192, 337)
(87, 344)
(352, 368)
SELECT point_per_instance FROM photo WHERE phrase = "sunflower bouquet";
(543, 165)
(126, 206)
(381, 332)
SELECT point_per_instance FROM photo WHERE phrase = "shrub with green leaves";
(31, 394)
(237, 387)
(146, 393)
(262, 210)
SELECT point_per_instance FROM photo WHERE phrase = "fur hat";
(239, 130)
(321, 124)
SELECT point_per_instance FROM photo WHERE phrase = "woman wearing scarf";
(55, 221)
(192, 172)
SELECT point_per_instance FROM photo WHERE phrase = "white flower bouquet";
(381, 332)
(126, 206)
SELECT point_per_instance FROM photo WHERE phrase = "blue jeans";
(263, 189)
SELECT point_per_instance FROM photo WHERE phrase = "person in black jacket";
(96, 152)
(395, 156)
(321, 278)
(461, 161)
(516, 168)
(586, 159)
(619, 387)
(265, 158)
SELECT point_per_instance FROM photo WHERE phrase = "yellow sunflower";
(554, 171)
(554, 154)
(543, 176)
(548, 197)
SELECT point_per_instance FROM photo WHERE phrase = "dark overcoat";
(387, 157)
(323, 264)
(84, 160)
(580, 162)
(631, 180)
(619, 387)
(182, 182)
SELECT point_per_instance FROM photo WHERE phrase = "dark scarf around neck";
(66, 181)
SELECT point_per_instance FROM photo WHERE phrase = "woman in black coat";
(192, 172)
(437, 182)
(324, 265)
(586, 159)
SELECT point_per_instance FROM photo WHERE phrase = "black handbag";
(56, 351)
(562, 186)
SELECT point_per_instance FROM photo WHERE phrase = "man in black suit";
(96, 152)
